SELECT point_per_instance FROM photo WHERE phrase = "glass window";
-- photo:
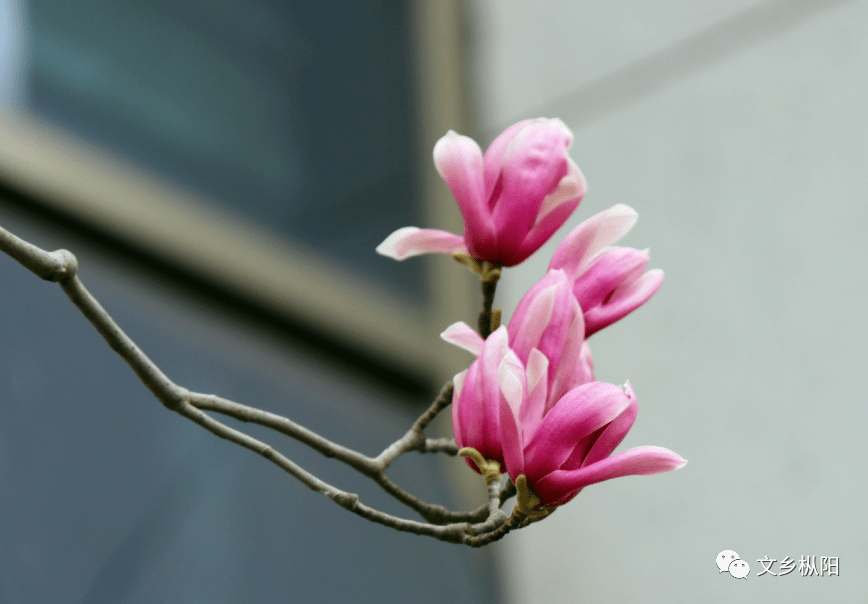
(289, 113)
(116, 499)
(223, 169)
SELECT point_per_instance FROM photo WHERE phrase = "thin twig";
(455, 533)
(210, 402)
(498, 533)
(489, 278)
(507, 492)
(439, 445)
(61, 266)
(371, 467)
(415, 436)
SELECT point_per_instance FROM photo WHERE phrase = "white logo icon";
(725, 558)
(728, 561)
(739, 569)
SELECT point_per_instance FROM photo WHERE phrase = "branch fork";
(475, 527)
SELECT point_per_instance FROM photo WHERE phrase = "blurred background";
(224, 170)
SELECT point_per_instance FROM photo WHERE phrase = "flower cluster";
(529, 402)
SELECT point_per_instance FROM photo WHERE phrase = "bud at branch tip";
(489, 468)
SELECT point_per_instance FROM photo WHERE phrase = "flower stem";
(489, 278)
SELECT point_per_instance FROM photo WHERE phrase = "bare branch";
(167, 392)
(61, 266)
(498, 533)
(51, 266)
(210, 402)
(439, 445)
(414, 439)
(456, 533)
(373, 468)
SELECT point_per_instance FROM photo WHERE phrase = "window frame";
(76, 178)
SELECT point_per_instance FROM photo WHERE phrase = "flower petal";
(512, 380)
(513, 386)
(457, 388)
(464, 336)
(412, 241)
(610, 269)
(532, 315)
(542, 318)
(572, 187)
(626, 298)
(459, 161)
(580, 412)
(493, 158)
(561, 485)
(554, 212)
(475, 415)
(575, 367)
(533, 165)
(561, 325)
(601, 443)
(586, 240)
(537, 387)
(613, 434)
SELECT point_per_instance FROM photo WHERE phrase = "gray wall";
(738, 131)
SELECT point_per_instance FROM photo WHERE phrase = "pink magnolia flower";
(512, 199)
(572, 446)
(476, 397)
(502, 407)
(608, 282)
(529, 401)
(544, 334)
(549, 320)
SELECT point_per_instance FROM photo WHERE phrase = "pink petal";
(468, 410)
(459, 161)
(586, 240)
(601, 443)
(542, 318)
(625, 299)
(580, 412)
(561, 485)
(457, 388)
(613, 434)
(556, 209)
(489, 361)
(537, 386)
(532, 315)
(512, 381)
(585, 367)
(533, 165)
(464, 336)
(556, 336)
(610, 269)
(575, 367)
(514, 389)
(475, 422)
(572, 187)
(493, 159)
(412, 241)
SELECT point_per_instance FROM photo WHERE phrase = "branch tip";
(468, 261)
(489, 468)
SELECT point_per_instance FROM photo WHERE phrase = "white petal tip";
(463, 336)
(392, 245)
(413, 241)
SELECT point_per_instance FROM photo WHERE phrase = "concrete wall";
(738, 131)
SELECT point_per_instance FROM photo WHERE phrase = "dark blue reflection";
(107, 497)
(297, 114)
